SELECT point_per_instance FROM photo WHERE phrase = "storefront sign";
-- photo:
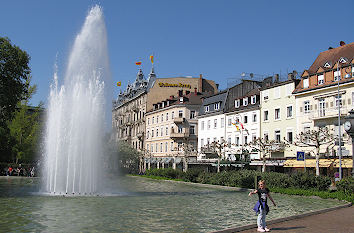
(175, 85)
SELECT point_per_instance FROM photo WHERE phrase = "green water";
(140, 205)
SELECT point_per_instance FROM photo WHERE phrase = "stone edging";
(278, 220)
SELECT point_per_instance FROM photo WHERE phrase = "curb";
(251, 226)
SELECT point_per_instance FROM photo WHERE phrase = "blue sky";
(219, 39)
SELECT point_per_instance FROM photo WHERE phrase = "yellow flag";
(119, 84)
(152, 59)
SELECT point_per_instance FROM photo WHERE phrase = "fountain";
(75, 117)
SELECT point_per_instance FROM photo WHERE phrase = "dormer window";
(343, 60)
(181, 99)
(217, 106)
(245, 101)
(327, 65)
(306, 82)
(237, 103)
(253, 99)
(206, 108)
(336, 75)
(320, 79)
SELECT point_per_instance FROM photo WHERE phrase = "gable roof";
(332, 56)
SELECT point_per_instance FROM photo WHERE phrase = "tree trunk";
(264, 163)
(218, 164)
(317, 162)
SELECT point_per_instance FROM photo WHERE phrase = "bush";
(346, 185)
(192, 174)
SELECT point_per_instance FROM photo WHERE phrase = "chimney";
(341, 43)
(290, 76)
(195, 91)
(201, 76)
(276, 78)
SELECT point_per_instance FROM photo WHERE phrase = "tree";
(14, 76)
(316, 139)
(265, 147)
(218, 148)
(25, 129)
(187, 150)
(128, 158)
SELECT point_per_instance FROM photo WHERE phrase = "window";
(253, 99)
(192, 129)
(156, 147)
(157, 119)
(206, 108)
(229, 122)
(152, 147)
(245, 140)
(353, 98)
(149, 119)
(161, 131)
(217, 106)
(153, 119)
(338, 101)
(254, 137)
(289, 136)
(245, 101)
(161, 117)
(147, 134)
(215, 123)
(321, 107)
(157, 132)
(289, 111)
(222, 123)
(208, 124)
(307, 130)
(166, 116)
(152, 133)
(266, 115)
(237, 141)
(277, 135)
(237, 103)
(192, 115)
(337, 75)
(245, 119)
(277, 93)
(180, 129)
(254, 117)
(166, 130)
(166, 146)
(202, 125)
(277, 114)
(180, 113)
(306, 82)
(229, 141)
(147, 147)
(215, 139)
(266, 136)
(172, 146)
(201, 142)
(161, 147)
(208, 141)
(289, 89)
(266, 95)
(306, 106)
(320, 79)
(173, 115)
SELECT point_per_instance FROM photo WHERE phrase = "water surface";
(137, 205)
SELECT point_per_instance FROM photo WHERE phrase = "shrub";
(346, 185)
(192, 174)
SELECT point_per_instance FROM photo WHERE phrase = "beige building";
(278, 115)
(318, 102)
(171, 130)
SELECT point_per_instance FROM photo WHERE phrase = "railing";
(327, 113)
(179, 120)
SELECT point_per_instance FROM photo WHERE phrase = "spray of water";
(75, 116)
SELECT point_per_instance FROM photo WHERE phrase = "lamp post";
(339, 129)
(349, 128)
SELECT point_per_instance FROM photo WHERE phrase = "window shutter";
(343, 101)
(349, 101)
(315, 106)
(327, 105)
(331, 104)
(300, 109)
(311, 107)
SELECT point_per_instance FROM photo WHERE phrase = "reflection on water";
(144, 206)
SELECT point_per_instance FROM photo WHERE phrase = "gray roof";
(211, 100)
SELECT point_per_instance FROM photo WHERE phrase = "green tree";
(14, 75)
(128, 158)
(25, 129)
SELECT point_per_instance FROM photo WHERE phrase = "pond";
(142, 205)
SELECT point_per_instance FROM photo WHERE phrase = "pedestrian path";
(335, 221)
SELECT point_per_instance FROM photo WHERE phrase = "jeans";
(261, 218)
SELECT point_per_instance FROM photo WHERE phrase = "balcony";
(140, 135)
(179, 120)
(179, 135)
(327, 113)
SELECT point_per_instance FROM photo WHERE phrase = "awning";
(346, 163)
(268, 163)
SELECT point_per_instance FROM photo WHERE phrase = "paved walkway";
(335, 221)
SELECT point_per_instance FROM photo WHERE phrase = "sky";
(219, 39)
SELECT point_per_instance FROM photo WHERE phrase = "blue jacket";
(261, 204)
